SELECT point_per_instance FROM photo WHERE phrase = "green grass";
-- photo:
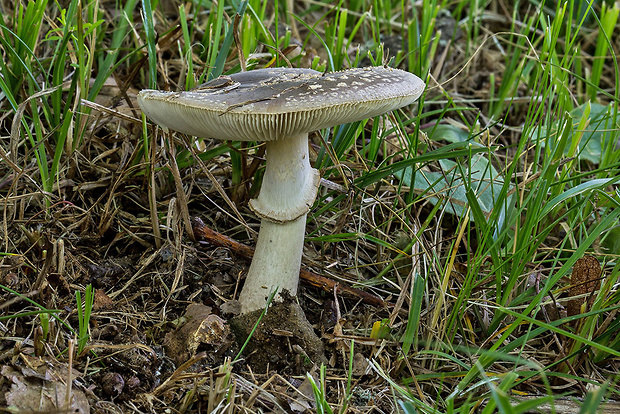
(506, 170)
(84, 311)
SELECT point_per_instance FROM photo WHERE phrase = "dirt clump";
(283, 340)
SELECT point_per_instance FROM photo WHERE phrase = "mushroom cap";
(270, 104)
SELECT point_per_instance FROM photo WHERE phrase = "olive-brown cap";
(270, 104)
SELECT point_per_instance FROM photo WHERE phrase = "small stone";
(232, 307)
(203, 331)
(112, 384)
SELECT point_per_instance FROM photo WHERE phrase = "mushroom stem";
(290, 184)
(276, 262)
(288, 191)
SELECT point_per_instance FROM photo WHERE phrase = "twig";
(202, 232)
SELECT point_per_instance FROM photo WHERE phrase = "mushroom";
(280, 106)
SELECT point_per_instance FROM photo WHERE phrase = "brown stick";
(202, 232)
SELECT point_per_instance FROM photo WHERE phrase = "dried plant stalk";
(584, 280)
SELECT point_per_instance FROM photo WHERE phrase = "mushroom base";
(284, 339)
(276, 263)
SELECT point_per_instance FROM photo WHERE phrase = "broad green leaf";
(450, 186)
(597, 131)
(448, 132)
